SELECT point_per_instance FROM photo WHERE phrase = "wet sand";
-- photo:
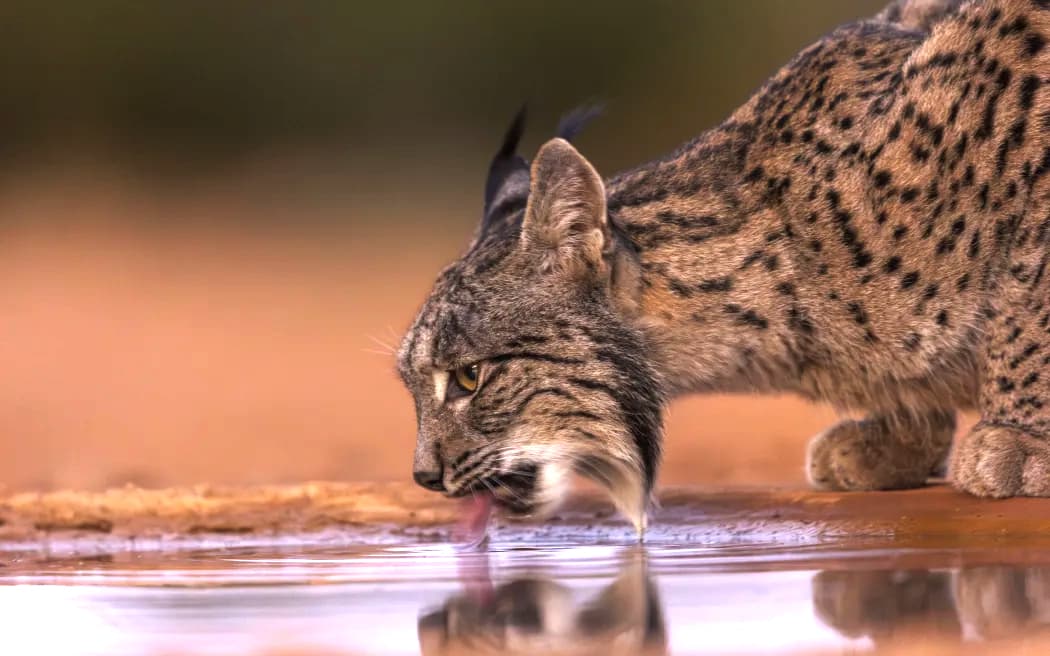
(367, 568)
(135, 519)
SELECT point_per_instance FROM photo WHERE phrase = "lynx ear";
(565, 222)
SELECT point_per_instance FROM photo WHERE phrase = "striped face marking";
(440, 386)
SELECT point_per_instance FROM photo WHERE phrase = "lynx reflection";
(987, 603)
(538, 615)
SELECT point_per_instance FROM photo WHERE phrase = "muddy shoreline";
(134, 519)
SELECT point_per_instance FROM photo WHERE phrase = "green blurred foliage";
(205, 81)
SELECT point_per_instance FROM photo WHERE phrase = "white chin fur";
(552, 488)
(622, 482)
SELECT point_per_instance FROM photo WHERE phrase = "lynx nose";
(428, 469)
(430, 479)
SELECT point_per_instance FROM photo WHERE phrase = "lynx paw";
(861, 455)
(1002, 461)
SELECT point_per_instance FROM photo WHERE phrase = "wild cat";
(869, 230)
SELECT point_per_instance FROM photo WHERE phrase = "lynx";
(870, 230)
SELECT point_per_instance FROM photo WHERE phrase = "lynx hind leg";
(882, 452)
(1008, 452)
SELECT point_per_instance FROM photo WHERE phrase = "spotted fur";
(869, 230)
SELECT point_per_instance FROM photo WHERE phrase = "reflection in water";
(535, 614)
(975, 603)
(576, 599)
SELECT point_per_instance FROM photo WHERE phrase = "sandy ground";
(173, 354)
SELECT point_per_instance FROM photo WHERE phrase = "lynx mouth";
(521, 494)
(512, 495)
(514, 491)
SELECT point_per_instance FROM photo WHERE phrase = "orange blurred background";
(203, 263)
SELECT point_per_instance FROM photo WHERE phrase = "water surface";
(616, 597)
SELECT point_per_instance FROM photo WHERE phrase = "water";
(553, 597)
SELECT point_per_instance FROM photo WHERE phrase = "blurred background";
(215, 217)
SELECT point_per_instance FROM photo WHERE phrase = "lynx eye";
(466, 379)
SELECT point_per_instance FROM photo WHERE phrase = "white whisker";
(390, 350)
(385, 354)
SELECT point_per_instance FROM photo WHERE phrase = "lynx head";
(523, 361)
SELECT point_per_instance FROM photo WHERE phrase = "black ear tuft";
(575, 121)
(507, 187)
(513, 135)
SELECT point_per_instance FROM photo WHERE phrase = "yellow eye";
(467, 377)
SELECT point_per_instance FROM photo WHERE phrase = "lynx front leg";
(882, 452)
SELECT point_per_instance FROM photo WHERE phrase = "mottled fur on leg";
(882, 452)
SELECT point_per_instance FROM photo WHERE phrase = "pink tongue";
(473, 525)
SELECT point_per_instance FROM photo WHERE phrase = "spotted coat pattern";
(871, 229)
